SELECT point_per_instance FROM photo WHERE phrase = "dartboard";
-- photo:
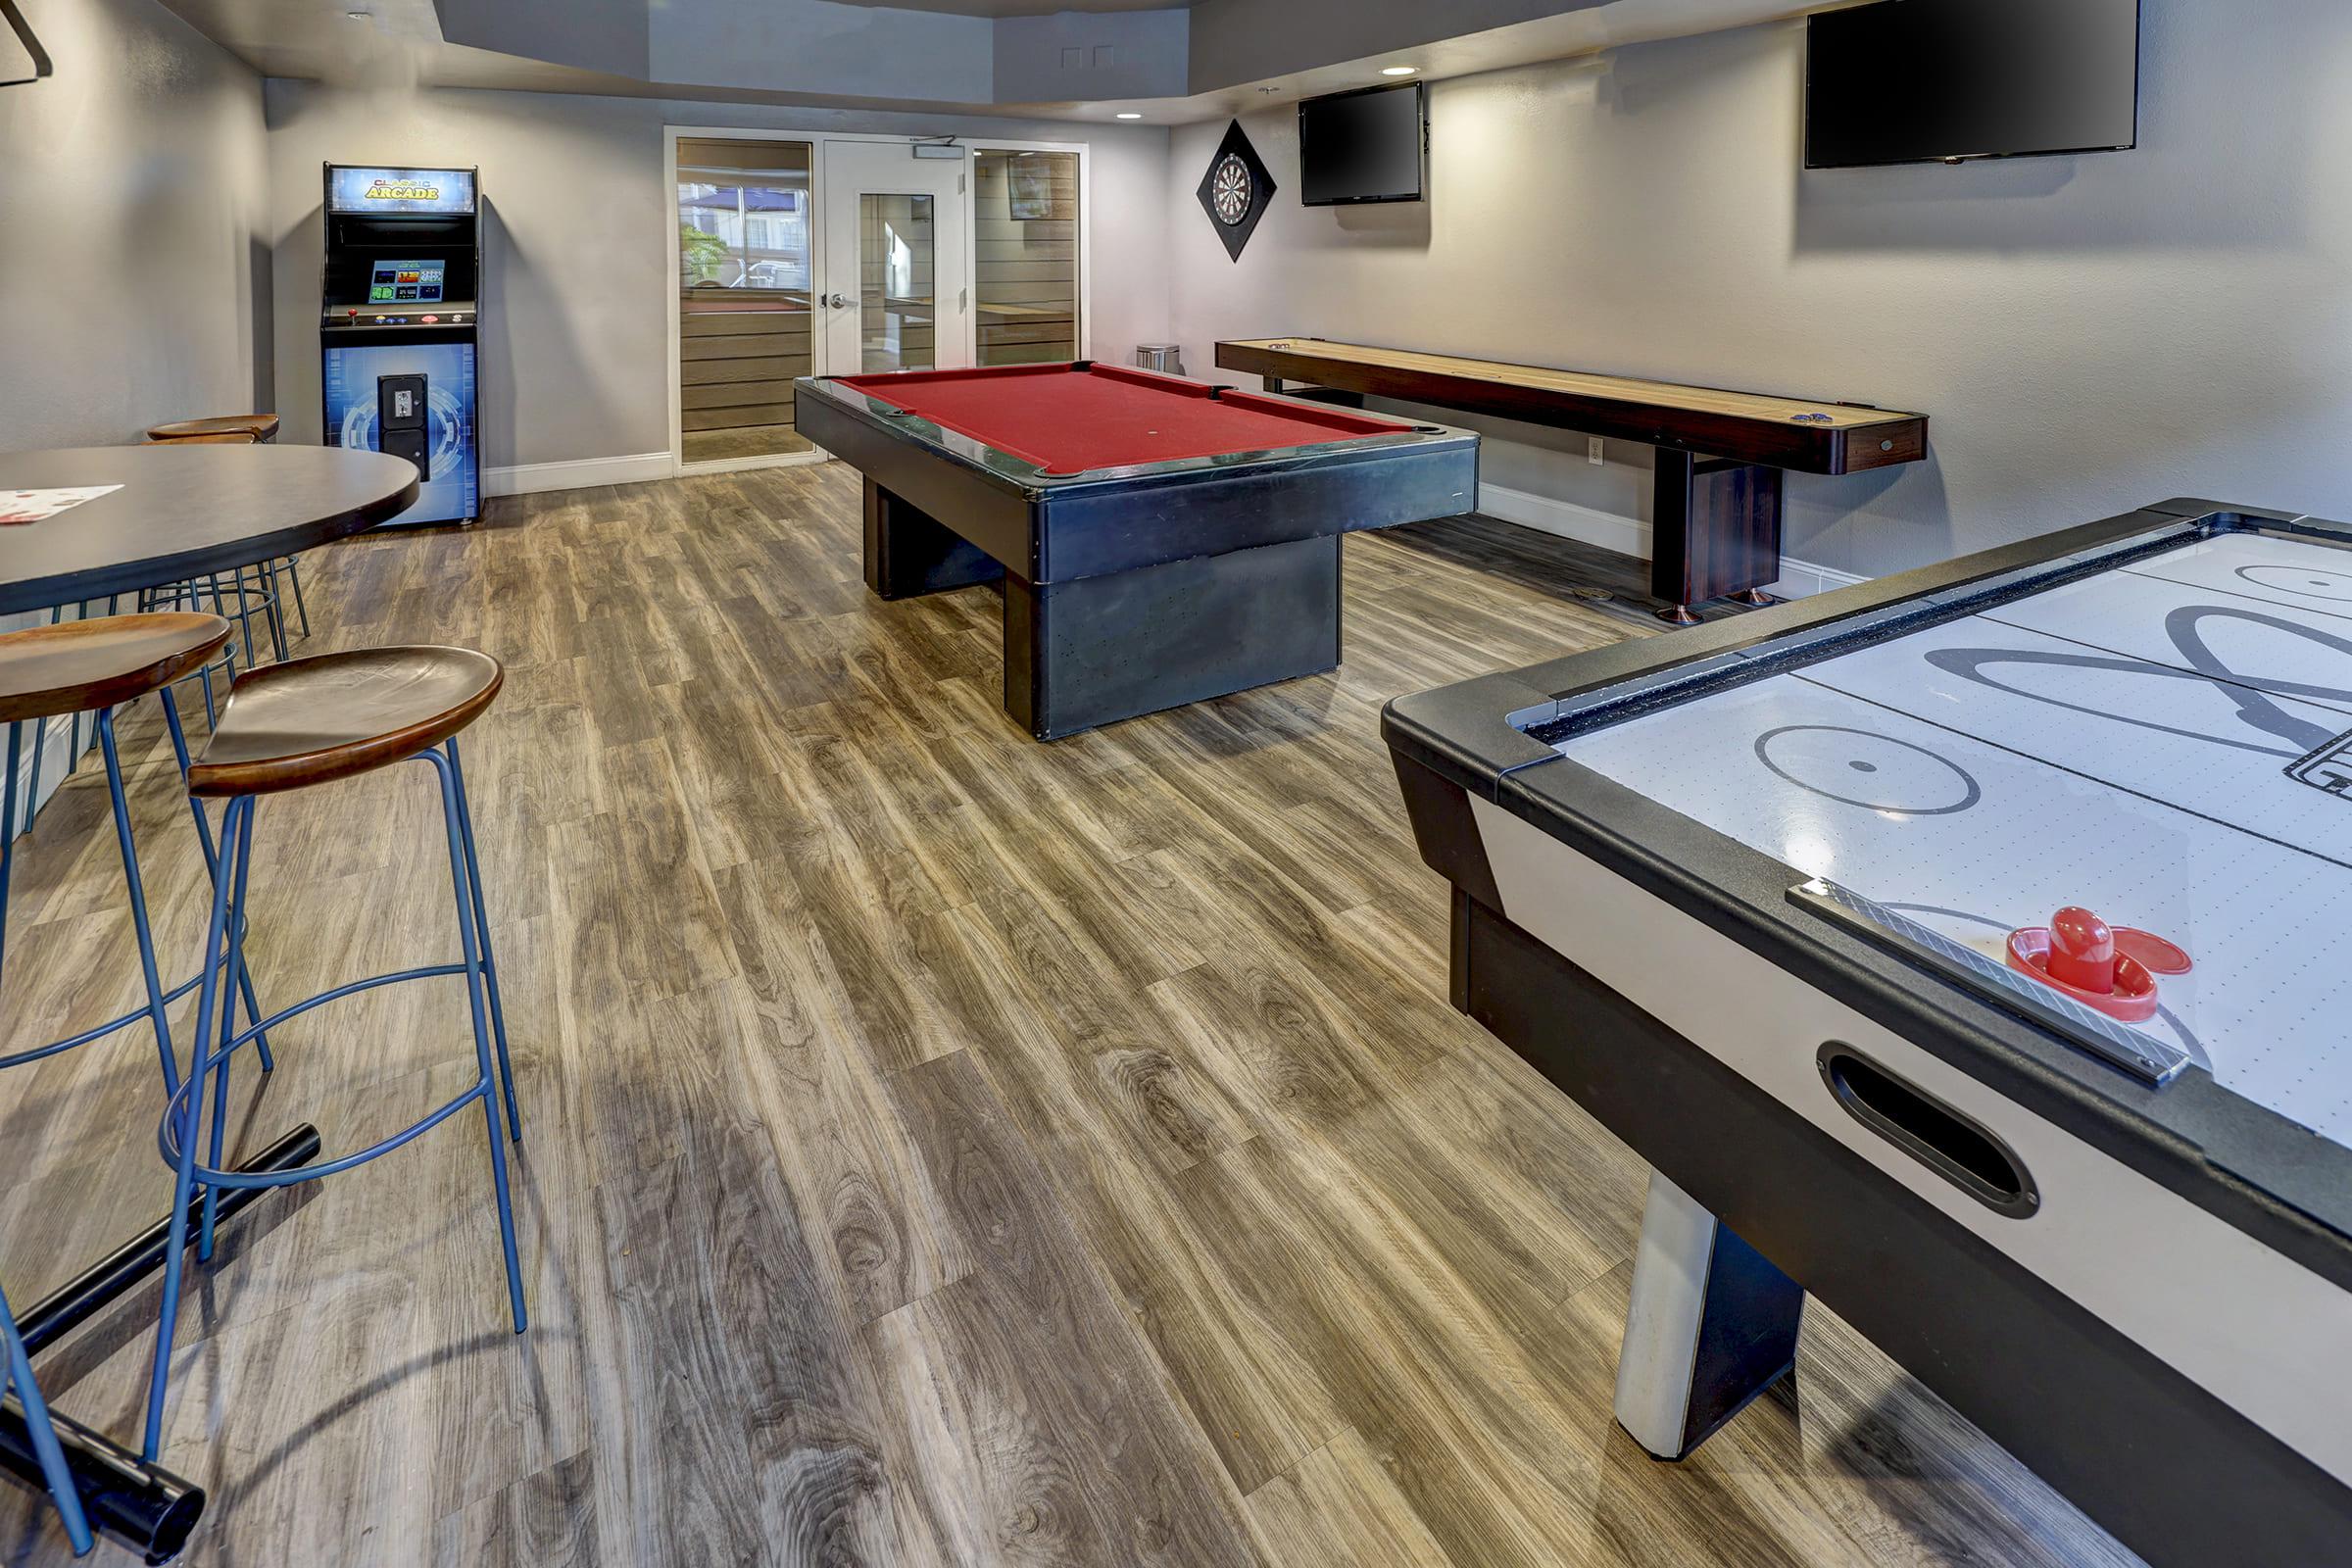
(1230, 191)
(1236, 190)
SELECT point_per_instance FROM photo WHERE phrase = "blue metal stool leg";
(44, 1434)
(8, 828)
(212, 864)
(138, 903)
(294, 576)
(234, 840)
(481, 925)
(267, 574)
(452, 810)
(236, 965)
(74, 741)
(40, 742)
(242, 614)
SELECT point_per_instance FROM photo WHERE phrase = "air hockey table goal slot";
(2329, 770)
(1955, 1147)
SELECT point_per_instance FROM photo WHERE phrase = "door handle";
(837, 301)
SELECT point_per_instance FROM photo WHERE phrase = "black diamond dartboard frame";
(1236, 190)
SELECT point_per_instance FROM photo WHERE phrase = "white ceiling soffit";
(1588, 31)
(1025, 8)
(604, 47)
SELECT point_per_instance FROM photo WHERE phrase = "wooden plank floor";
(942, 1148)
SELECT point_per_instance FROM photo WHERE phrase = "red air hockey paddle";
(2112, 970)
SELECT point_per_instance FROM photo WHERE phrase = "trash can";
(1164, 356)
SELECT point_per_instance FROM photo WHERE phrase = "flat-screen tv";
(1912, 81)
(1369, 145)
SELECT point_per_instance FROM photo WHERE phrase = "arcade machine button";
(430, 321)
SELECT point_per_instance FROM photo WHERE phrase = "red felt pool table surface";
(1068, 419)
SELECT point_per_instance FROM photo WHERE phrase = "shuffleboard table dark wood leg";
(1717, 530)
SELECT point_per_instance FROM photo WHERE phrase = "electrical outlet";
(1593, 453)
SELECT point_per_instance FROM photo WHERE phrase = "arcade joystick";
(2112, 970)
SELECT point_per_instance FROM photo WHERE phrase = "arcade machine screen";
(414, 282)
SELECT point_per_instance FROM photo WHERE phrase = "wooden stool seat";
(253, 426)
(210, 438)
(313, 721)
(79, 666)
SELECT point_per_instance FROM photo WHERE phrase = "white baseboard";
(529, 478)
(1630, 536)
(1801, 579)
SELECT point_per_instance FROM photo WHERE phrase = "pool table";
(1161, 541)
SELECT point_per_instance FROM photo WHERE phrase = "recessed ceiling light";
(1397, 71)
(1129, 114)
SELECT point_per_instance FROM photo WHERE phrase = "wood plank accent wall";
(1026, 282)
(736, 365)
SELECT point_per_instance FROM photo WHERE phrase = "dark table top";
(184, 511)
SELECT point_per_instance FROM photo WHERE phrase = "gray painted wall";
(2088, 334)
(135, 276)
(581, 267)
(133, 263)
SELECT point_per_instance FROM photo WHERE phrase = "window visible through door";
(898, 290)
(744, 305)
(1025, 255)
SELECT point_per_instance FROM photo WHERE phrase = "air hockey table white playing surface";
(2167, 743)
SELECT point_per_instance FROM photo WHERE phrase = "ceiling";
(1025, 8)
(399, 44)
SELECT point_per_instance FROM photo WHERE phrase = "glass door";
(1025, 254)
(746, 311)
(895, 296)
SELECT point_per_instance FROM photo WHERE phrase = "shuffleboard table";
(1723, 456)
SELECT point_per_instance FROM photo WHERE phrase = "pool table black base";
(1090, 651)
(2169, 1470)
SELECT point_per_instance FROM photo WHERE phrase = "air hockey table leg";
(1712, 1325)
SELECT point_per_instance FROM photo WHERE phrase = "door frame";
(818, 140)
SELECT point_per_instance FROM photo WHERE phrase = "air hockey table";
(1749, 894)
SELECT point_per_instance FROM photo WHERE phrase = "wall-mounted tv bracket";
(41, 65)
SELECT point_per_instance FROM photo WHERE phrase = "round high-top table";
(184, 511)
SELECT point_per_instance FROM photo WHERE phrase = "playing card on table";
(32, 506)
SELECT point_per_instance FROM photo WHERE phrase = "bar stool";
(70, 669)
(288, 727)
(252, 426)
(241, 429)
(260, 597)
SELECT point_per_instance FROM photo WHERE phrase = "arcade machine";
(398, 324)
